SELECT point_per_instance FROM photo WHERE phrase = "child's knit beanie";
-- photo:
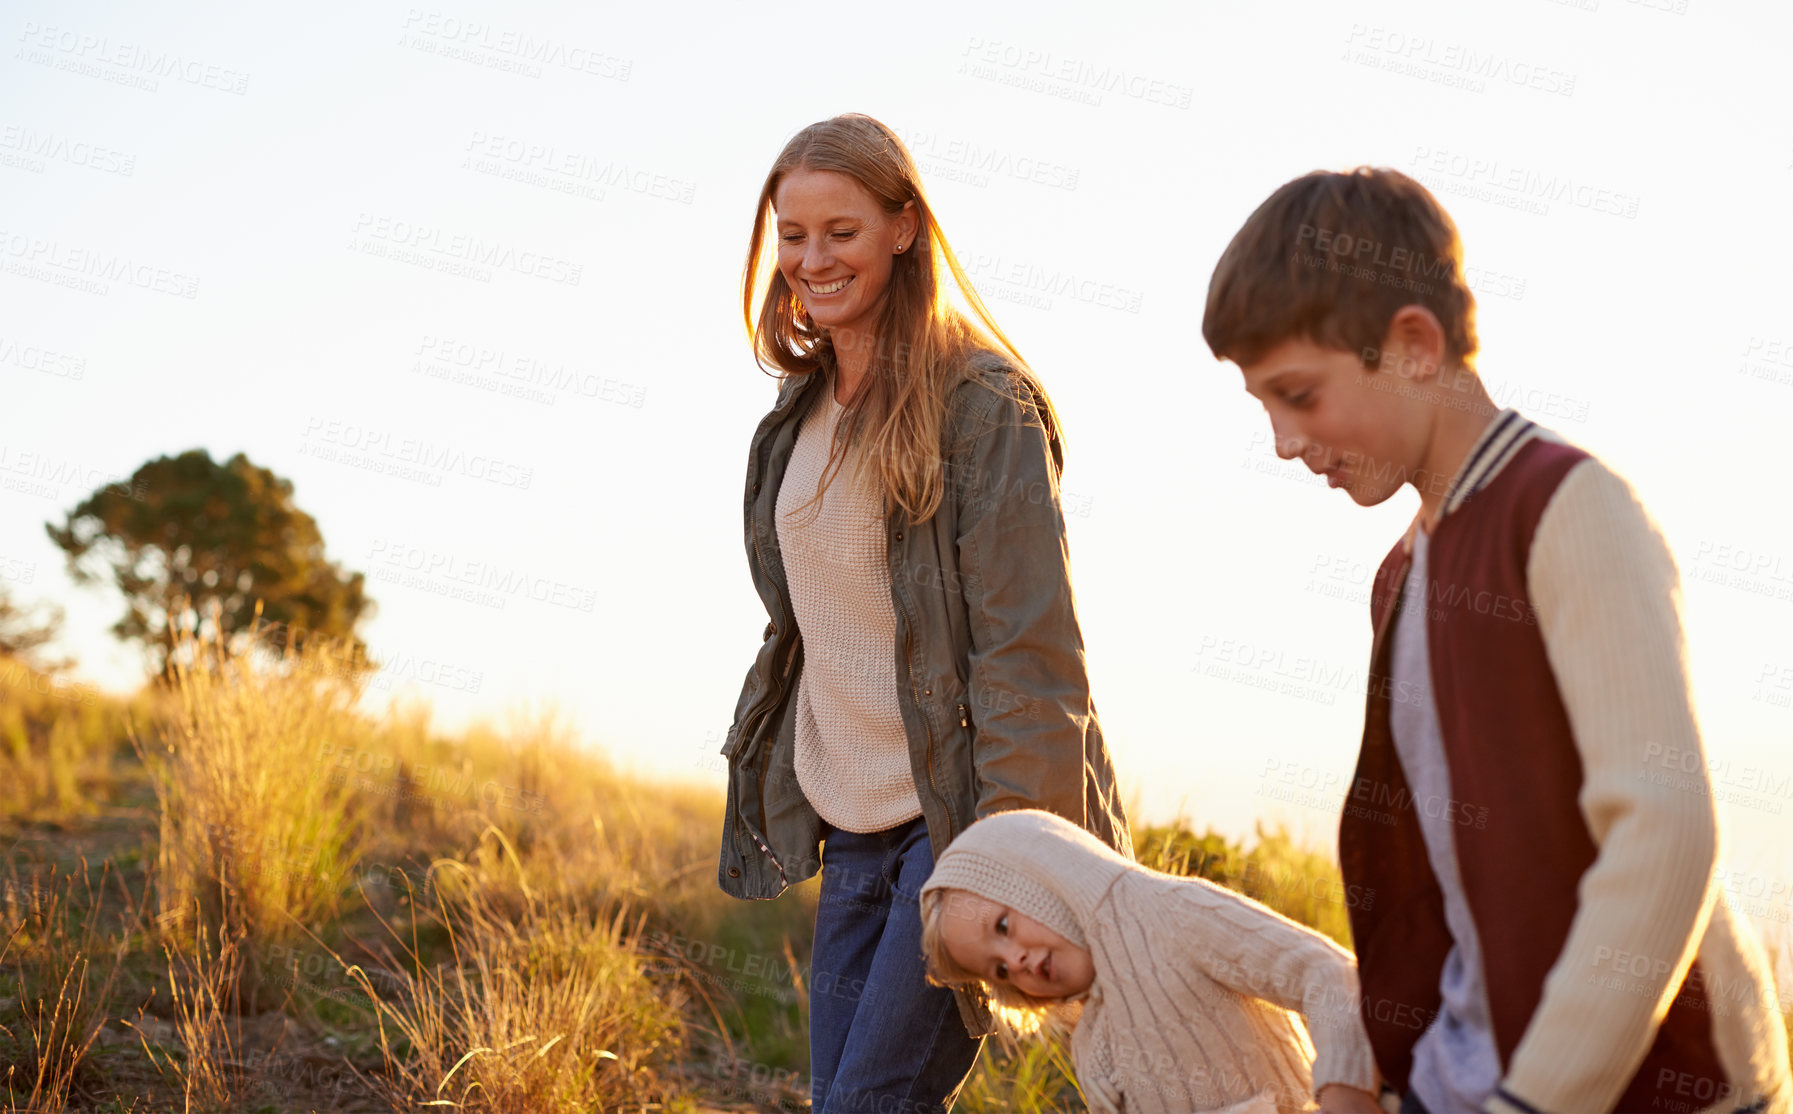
(1034, 862)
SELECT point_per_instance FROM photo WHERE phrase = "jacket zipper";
(909, 667)
(964, 717)
(778, 694)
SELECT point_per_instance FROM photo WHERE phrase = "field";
(238, 891)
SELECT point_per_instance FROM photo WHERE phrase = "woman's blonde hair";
(922, 344)
(1017, 1013)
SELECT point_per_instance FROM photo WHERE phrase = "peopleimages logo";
(974, 163)
(1075, 79)
(421, 567)
(35, 357)
(427, 242)
(419, 458)
(52, 474)
(1458, 60)
(521, 376)
(52, 260)
(123, 63)
(504, 48)
(568, 171)
(29, 145)
(1516, 187)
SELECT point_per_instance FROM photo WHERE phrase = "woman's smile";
(837, 247)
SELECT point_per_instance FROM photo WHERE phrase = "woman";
(923, 665)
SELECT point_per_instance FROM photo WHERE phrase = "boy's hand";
(1336, 1098)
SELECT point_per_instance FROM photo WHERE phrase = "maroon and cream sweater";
(1617, 976)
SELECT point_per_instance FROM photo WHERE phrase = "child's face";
(1366, 430)
(1003, 946)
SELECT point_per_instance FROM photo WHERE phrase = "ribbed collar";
(1498, 444)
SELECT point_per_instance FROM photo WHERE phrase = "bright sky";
(221, 228)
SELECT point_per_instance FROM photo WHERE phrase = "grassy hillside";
(238, 892)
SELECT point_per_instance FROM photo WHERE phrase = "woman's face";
(1003, 946)
(836, 246)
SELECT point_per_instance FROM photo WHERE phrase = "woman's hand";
(1336, 1098)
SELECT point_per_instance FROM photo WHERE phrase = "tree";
(25, 630)
(198, 545)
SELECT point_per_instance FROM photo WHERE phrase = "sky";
(258, 230)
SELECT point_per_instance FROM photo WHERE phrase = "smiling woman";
(923, 666)
(837, 247)
(845, 202)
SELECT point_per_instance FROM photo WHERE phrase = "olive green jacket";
(991, 679)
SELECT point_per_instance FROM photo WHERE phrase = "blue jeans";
(881, 1040)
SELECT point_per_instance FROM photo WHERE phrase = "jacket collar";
(1498, 444)
(793, 387)
(1493, 451)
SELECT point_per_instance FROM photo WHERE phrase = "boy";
(1544, 934)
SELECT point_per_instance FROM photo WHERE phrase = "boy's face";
(1366, 430)
(1003, 946)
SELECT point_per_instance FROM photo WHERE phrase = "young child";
(1185, 988)
(1531, 807)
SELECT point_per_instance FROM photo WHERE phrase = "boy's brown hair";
(1330, 257)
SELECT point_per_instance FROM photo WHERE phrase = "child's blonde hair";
(1018, 1014)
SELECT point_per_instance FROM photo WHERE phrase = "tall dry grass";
(59, 743)
(546, 1006)
(572, 818)
(205, 1067)
(522, 984)
(64, 965)
(1033, 1077)
(546, 998)
(254, 839)
(518, 918)
(1301, 883)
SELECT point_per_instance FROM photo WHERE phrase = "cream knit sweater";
(852, 753)
(1191, 1005)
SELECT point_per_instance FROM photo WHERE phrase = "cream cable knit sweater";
(1191, 1005)
(852, 754)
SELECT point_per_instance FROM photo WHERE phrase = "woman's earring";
(900, 247)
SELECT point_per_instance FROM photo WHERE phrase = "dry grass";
(546, 1005)
(1298, 882)
(52, 941)
(522, 985)
(519, 882)
(512, 924)
(205, 1068)
(1035, 1077)
(251, 839)
(58, 744)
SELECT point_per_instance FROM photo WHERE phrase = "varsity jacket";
(1617, 975)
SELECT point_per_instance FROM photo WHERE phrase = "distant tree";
(25, 631)
(197, 545)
